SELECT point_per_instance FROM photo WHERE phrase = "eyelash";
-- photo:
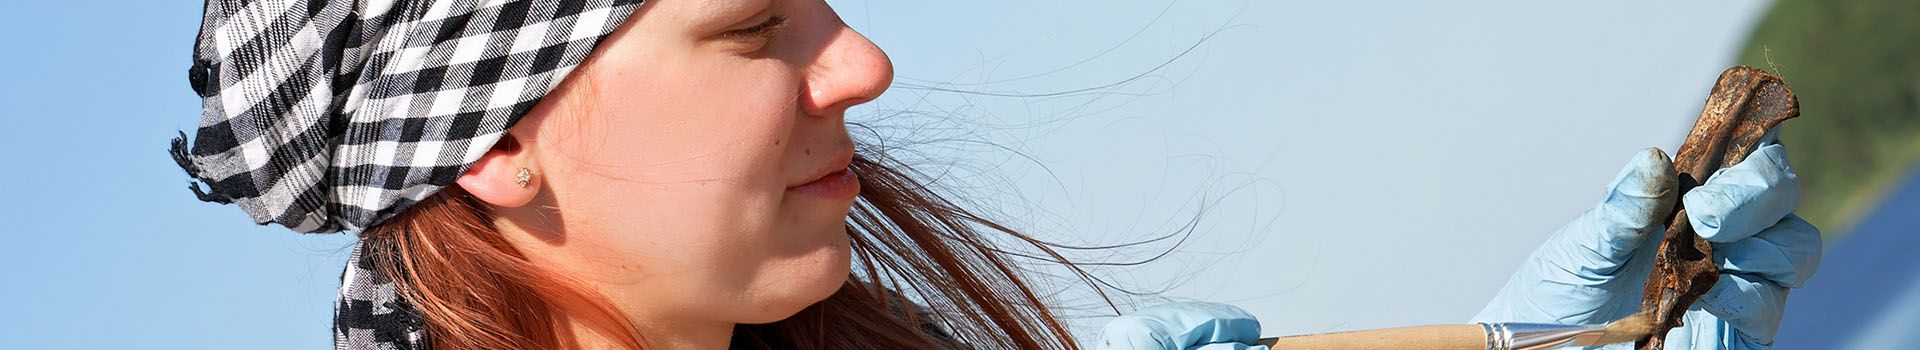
(764, 30)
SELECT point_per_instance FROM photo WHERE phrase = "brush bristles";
(1631, 328)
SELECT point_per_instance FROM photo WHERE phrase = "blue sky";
(1426, 146)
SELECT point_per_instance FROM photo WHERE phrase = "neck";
(667, 335)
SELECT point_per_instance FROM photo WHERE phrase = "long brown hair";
(476, 291)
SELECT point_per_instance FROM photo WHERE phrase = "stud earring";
(523, 177)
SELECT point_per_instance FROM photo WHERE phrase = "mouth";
(834, 180)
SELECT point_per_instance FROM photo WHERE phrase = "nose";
(849, 71)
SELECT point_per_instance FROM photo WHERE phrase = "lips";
(832, 180)
(839, 185)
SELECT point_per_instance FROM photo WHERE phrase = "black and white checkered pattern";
(370, 314)
(324, 116)
(332, 115)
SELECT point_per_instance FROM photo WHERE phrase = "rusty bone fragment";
(1745, 104)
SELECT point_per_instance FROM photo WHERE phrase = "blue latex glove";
(1182, 326)
(1593, 270)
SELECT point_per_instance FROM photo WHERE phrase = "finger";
(1180, 325)
(1564, 298)
(1786, 253)
(1750, 304)
(1701, 330)
(1740, 200)
(1635, 207)
(1132, 332)
(1229, 346)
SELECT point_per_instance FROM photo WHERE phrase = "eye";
(763, 31)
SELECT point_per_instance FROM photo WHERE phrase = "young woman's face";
(689, 168)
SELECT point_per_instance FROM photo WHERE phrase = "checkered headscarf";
(332, 115)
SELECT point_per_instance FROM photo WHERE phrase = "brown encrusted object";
(1745, 104)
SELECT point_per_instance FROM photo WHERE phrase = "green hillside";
(1856, 66)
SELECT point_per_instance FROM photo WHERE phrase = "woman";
(617, 174)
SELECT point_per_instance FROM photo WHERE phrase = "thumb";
(1635, 207)
(1599, 242)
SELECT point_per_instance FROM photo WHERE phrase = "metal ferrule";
(1537, 336)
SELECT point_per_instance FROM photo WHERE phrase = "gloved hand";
(1593, 270)
(1182, 326)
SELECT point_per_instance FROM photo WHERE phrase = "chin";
(807, 280)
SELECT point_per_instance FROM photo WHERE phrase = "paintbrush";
(1479, 336)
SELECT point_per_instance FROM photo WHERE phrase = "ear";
(494, 178)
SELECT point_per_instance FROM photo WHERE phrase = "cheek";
(713, 135)
(681, 187)
(702, 159)
(709, 125)
(683, 180)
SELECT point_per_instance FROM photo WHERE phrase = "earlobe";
(505, 176)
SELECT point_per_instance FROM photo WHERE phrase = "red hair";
(476, 291)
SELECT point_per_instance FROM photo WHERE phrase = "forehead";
(708, 6)
(701, 14)
(720, 5)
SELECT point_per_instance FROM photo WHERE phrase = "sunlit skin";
(664, 169)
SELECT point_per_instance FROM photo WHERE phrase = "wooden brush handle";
(1439, 337)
